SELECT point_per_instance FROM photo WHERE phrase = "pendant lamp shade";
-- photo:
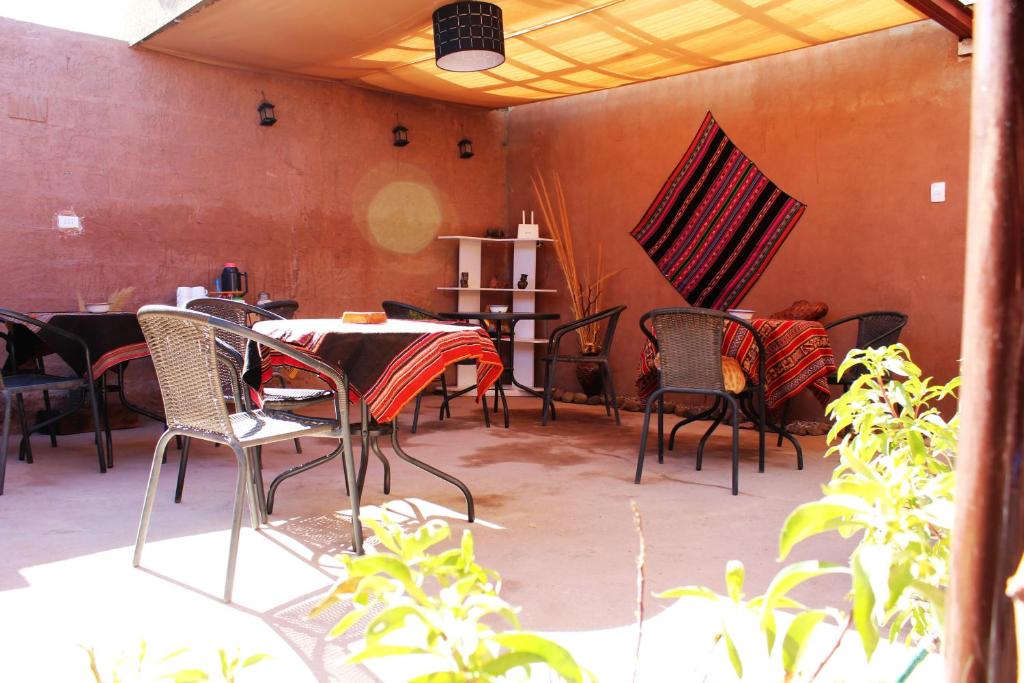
(469, 36)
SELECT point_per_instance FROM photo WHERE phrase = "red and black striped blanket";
(716, 223)
(387, 364)
(798, 356)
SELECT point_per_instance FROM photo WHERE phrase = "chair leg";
(499, 390)
(761, 410)
(643, 435)
(25, 445)
(487, 412)
(236, 523)
(182, 465)
(96, 425)
(3, 444)
(147, 506)
(257, 479)
(252, 495)
(53, 427)
(548, 389)
(298, 446)
(661, 428)
(416, 412)
(710, 430)
(105, 414)
(610, 384)
(735, 446)
(444, 393)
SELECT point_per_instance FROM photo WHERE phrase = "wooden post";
(987, 533)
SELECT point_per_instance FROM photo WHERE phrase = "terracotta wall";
(164, 161)
(856, 129)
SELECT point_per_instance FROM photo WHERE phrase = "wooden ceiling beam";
(952, 14)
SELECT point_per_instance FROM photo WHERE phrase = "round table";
(511, 317)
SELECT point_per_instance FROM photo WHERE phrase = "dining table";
(798, 357)
(386, 364)
(498, 333)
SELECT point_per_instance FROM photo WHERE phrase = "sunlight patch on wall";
(403, 217)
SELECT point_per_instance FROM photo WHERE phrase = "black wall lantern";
(266, 110)
(401, 134)
(465, 148)
(469, 36)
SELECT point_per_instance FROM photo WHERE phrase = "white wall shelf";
(524, 260)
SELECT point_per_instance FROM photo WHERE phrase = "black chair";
(398, 310)
(688, 342)
(15, 383)
(553, 356)
(874, 328)
(286, 308)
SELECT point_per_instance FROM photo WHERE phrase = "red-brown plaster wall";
(164, 160)
(857, 129)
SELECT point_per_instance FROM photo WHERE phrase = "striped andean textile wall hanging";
(717, 222)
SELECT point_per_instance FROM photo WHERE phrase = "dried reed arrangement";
(119, 300)
(584, 293)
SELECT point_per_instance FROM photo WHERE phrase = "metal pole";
(986, 534)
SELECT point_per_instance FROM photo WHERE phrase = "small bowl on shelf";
(742, 313)
(98, 308)
(497, 308)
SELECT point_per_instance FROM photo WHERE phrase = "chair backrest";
(183, 345)
(9, 357)
(689, 345)
(396, 310)
(879, 328)
(237, 312)
(285, 308)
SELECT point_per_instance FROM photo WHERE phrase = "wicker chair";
(552, 356)
(397, 310)
(875, 328)
(285, 308)
(189, 354)
(689, 346)
(15, 383)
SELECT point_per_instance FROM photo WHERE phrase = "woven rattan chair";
(286, 308)
(688, 342)
(397, 310)
(874, 328)
(274, 398)
(189, 355)
(15, 383)
(552, 356)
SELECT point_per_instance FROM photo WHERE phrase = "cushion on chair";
(732, 373)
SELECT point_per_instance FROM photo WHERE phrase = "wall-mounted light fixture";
(469, 36)
(465, 148)
(266, 110)
(401, 134)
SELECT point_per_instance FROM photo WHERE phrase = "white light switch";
(65, 222)
(938, 192)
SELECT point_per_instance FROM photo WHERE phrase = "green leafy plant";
(440, 605)
(893, 487)
(145, 667)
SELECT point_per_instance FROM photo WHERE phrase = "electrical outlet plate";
(65, 222)
(938, 192)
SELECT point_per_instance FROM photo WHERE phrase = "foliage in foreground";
(145, 667)
(894, 487)
(442, 607)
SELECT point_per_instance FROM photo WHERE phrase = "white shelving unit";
(524, 260)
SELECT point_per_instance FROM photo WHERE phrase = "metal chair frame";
(752, 399)
(284, 308)
(14, 385)
(249, 485)
(552, 356)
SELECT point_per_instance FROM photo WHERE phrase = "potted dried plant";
(586, 291)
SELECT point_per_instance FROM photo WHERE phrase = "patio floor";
(553, 518)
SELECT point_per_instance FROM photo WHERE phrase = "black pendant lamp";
(469, 36)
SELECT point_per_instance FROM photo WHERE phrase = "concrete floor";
(553, 518)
